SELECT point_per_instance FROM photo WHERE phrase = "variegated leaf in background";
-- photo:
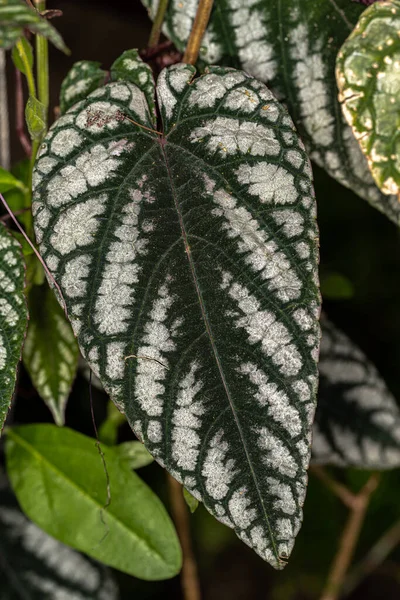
(368, 75)
(34, 566)
(291, 45)
(188, 265)
(13, 316)
(51, 351)
(16, 15)
(86, 76)
(357, 423)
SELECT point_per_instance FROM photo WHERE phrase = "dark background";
(358, 243)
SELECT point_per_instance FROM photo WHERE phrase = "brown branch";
(19, 114)
(375, 557)
(349, 540)
(189, 575)
(196, 35)
(4, 128)
(340, 490)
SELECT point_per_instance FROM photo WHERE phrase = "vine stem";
(189, 575)
(157, 23)
(42, 63)
(375, 557)
(4, 127)
(358, 504)
(196, 35)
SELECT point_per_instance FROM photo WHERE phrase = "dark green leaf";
(9, 182)
(37, 567)
(335, 286)
(357, 422)
(28, 52)
(13, 316)
(291, 45)
(60, 483)
(134, 454)
(188, 264)
(16, 15)
(84, 77)
(190, 500)
(51, 351)
(368, 75)
(35, 114)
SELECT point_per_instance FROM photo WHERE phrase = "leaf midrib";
(41, 459)
(214, 348)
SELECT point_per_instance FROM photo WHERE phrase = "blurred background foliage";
(360, 265)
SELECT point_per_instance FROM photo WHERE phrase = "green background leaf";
(188, 264)
(28, 52)
(51, 351)
(134, 454)
(292, 46)
(13, 316)
(58, 477)
(368, 76)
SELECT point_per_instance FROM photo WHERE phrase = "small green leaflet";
(190, 500)
(368, 76)
(132, 533)
(35, 115)
(18, 58)
(357, 423)
(134, 454)
(40, 568)
(13, 316)
(188, 264)
(51, 351)
(16, 15)
(86, 76)
(292, 46)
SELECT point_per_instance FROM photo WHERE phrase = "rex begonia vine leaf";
(368, 76)
(86, 76)
(188, 264)
(50, 352)
(16, 15)
(60, 481)
(13, 316)
(357, 422)
(34, 566)
(292, 46)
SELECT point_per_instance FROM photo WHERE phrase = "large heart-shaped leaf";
(188, 265)
(368, 75)
(357, 422)
(16, 15)
(13, 316)
(291, 45)
(50, 351)
(34, 566)
(108, 512)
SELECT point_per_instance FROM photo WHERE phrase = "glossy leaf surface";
(292, 46)
(50, 351)
(357, 422)
(35, 566)
(188, 264)
(368, 75)
(13, 316)
(59, 479)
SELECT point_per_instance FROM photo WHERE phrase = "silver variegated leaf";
(188, 265)
(291, 45)
(35, 566)
(50, 352)
(357, 422)
(13, 316)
